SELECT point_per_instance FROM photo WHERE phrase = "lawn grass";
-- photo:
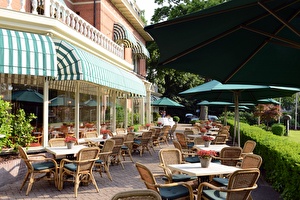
(294, 135)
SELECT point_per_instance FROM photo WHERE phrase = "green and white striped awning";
(77, 64)
(27, 54)
(140, 50)
(124, 36)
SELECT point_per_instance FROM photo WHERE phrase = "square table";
(212, 147)
(195, 169)
(63, 151)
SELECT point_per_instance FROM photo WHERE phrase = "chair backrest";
(230, 155)
(146, 134)
(89, 155)
(91, 134)
(198, 141)
(147, 176)
(107, 147)
(177, 145)
(130, 137)
(241, 183)
(181, 139)
(188, 132)
(169, 157)
(119, 141)
(24, 157)
(251, 161)
(220, 139)
(57, 142)
(249, 146)
(173, 129)
(195, 130)
(137, 195)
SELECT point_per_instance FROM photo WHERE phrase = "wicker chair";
(117, 150)
(187, 155)
(248, 147)
(166, 191)
(165, 134)
(156, 137)
(248, 162)
(169, 157)
(229, 156)
(38, 164)
(240, 185)
(143, 143)
(172, 131)
(137, 195)
(57, 142)
(128, 146)
(182, 139)
(91, 134)
(104, 158)
(80, 169)
(220, 139)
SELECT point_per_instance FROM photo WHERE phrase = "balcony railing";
(55, 9)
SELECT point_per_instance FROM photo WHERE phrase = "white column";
(45, 113)
(77, 100)
(47, 8)
(142, 110)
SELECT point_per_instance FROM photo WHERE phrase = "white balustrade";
(55, 9)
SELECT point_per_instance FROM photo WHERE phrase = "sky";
(148, 6)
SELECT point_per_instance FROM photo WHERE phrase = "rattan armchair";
(117, 151)
(57, 142)
(184, 142)
(80, 170)
(166, 191)
(164, 134)
(91, 134)
(143, 143)
(128, 146)
(169, 157)
(240, 185)
(248, 147)
(230, 156)
(248, 162)
(187, 155)
(104, 158)
(137, 195)
(38, 164)
(220, 139)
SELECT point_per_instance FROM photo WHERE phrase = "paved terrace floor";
(123, 180)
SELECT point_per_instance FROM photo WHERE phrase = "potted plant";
(207, 140)
(205, 157)
(70, 141)
(104, 132)
(148, 125)
(176, 119)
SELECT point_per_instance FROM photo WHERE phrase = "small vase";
(70, 145)
(207, 143)
(205, 162)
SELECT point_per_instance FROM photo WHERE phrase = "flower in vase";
(206, 153)
(207, 138)
(70, 139)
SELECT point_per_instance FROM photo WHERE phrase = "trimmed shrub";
(281, 159)
(278, 129)
(176, 119)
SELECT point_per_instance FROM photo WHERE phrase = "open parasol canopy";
(28, 95)
(239, 41)
(217, 91)
(166, 102)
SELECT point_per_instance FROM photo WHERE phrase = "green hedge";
(281, 158)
